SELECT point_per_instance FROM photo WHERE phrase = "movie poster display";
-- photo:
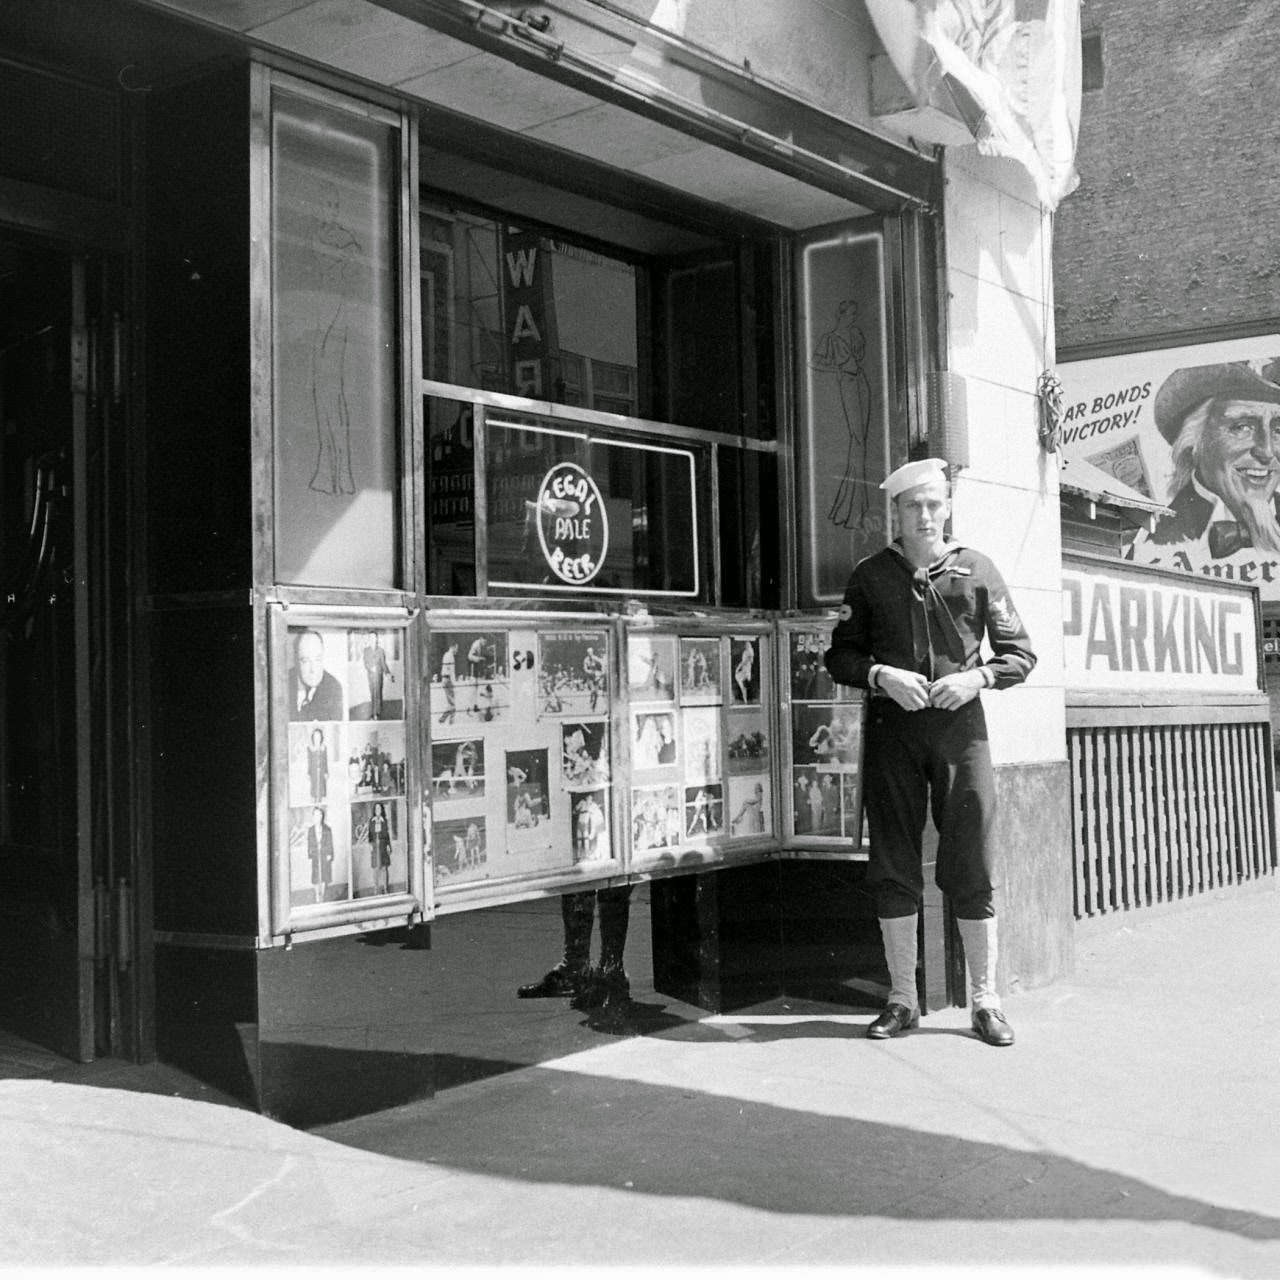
(519, 745)
(463, 759)
(342, 834)
(699, 729)
(824, 746)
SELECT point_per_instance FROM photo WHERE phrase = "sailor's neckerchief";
(934, 617)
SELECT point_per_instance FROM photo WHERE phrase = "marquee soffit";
(793, 166)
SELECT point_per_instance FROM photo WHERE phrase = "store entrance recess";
(64, 958)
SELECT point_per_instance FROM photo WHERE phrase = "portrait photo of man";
(1222, 424)
(314, 692)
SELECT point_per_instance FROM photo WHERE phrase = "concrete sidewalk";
(1135, 1122)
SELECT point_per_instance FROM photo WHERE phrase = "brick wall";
(1175, 227)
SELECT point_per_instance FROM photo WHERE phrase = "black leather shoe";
(599, 987)
(614, 1013)
(560, 981)
(991, 1026)
(896, 1019)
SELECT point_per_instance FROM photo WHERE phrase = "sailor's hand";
(950, 693)
(909, 689)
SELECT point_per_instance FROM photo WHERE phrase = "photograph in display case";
(457, 769)
(459, 848)
(851, 805)
(703, 811)
(375, 674)
(810, 681)
(701, 727)
(651, 668)
(573, 673)
(700, 676)
(315, 691)
(528, 793)
(468, 677)
(584, 755)
(827, 734)
(748, 747)
(750, 810)
(379, 862)
(317, 774)
(745, 661)
(319, 856)
(817, 804)
(657, 818)
(591, 842)
(653, 740)
(375, 759)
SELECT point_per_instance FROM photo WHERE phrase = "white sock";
(899, 934)
(980, 953)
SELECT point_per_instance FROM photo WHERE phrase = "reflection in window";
(510, 309)
(451, 518)
(568, 513)
(333, 227)
(748, 529)
(702, 371)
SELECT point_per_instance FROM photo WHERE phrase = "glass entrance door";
(48, 709)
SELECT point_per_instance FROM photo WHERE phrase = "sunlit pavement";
(1134, 1122)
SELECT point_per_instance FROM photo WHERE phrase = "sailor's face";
(923, 510)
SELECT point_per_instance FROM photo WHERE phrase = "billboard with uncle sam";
(1198, 429)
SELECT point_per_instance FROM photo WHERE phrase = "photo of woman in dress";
(318, 767)
(320, 853)
(379, 838)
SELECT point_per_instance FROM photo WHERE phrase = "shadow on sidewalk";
(550, 1126)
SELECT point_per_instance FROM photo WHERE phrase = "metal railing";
(1163, 812)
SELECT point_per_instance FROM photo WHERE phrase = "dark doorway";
(62, 907)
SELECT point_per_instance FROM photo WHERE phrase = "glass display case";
(344, 772)
(823, 747)
(516, 722)
(700, 738)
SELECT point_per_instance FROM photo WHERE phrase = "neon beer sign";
(573, 528)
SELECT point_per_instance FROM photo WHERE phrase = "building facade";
(1166, 313)
(437, 437)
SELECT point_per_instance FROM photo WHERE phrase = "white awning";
(1097, 485)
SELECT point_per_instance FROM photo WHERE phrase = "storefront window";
(505, 308)
(334, 236)
(844, 435)
(572, 513)
(511, 309)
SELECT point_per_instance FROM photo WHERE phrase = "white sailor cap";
(911, 474)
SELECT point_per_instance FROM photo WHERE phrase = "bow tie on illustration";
(1226, 537)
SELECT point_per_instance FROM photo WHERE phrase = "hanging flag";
(1009, 69)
